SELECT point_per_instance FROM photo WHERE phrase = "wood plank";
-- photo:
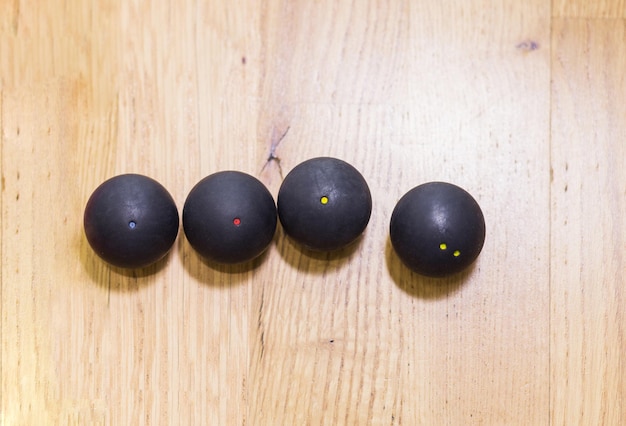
(588, 290)
(409, 92)
(98, 89)
(589, 9)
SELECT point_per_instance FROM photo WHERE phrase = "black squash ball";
(324, 204)
(229, 217)
(437, 229)
(131, 221)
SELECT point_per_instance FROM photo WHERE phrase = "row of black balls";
(131, 221)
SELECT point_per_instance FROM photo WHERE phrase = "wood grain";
(589, 9)
(500, 98)
(361, 340)
(588, 222)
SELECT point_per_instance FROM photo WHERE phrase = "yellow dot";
(324, 200)
(443, 246)
(456, 253)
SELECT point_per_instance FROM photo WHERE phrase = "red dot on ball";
(237, 221)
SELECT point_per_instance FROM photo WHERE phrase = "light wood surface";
(588, 289)
(521, 103)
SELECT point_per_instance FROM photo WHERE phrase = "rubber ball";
(437, 229)
(229, 217)
(131, 221)
(324, 204)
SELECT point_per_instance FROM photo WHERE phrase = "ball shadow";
(213, 273)
(421, 286)
(114, 278)
(312, 261)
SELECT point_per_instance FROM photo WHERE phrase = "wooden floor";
(520, 102)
